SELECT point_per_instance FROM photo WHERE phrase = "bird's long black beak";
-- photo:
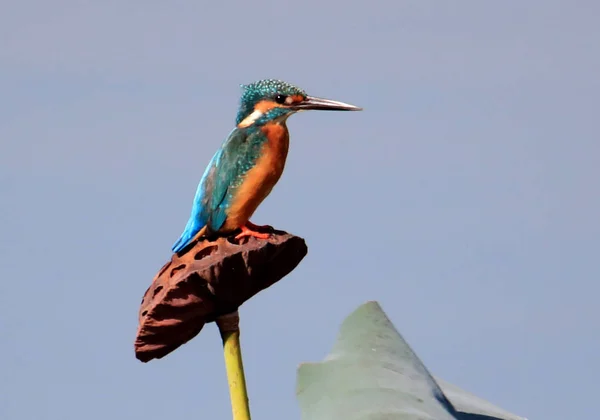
(324, 105)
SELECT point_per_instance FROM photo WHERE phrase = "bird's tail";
(192, 231)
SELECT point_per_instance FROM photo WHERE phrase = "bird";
(250, 161)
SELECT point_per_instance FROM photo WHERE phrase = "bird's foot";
(257, 227)
(246, 232)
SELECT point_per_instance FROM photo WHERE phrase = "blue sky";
(463, 198)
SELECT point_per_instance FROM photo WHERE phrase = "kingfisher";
(249, 163)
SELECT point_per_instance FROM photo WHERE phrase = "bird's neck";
(278, 138)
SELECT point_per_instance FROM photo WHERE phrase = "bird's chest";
(271, 162)
(264, 174)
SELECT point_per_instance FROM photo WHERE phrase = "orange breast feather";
(261, 179)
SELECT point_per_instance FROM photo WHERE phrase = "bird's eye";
(280, 99)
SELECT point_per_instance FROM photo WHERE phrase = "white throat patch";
(250, 119)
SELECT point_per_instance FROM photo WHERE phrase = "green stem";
(230, 333)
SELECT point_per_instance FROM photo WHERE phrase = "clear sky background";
(464, 198)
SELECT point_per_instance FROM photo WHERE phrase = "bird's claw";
(246, 232)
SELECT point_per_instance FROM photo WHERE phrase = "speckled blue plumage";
(255, 92)
(220, 181)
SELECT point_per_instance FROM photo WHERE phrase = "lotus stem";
(230, 333)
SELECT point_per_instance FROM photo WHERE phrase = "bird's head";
(274, 100)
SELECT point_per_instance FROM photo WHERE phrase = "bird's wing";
(239, 154)
(222, 176)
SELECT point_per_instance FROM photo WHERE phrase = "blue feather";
(197, 218)
(220, 181)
